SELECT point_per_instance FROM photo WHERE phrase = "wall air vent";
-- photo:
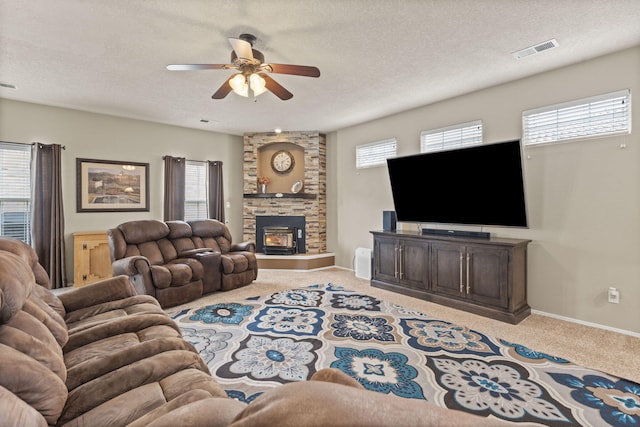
(532, 50)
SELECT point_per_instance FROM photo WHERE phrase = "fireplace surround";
(310, 168)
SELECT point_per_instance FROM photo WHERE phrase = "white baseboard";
(568, 319)
(582, 322)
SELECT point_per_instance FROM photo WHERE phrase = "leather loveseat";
(177, 261)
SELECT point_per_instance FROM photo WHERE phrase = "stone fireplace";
(283, 196)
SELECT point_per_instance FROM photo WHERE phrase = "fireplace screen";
(279, 240)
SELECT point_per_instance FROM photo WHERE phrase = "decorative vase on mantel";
(263, 188)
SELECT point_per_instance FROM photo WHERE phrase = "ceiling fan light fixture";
(258, 84)
(239, 85)
(253, 72)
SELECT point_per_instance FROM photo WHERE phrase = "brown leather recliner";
(175, 264)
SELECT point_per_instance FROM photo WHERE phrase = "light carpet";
(261, 342)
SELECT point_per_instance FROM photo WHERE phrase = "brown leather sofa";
(177, 261)
(100, 355)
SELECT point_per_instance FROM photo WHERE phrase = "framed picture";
(111, 186)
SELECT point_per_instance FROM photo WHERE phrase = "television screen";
(479, 185)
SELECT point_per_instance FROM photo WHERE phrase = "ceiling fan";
(252, 71)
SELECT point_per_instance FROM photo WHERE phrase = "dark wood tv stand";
(482, 276)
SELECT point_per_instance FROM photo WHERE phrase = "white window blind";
(195, 194)
(608, 114)
(451, 137)
(15, 191)
(375, 153)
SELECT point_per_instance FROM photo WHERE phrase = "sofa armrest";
(106, 290)
(130, 266)
(243, 246)
(320, 404)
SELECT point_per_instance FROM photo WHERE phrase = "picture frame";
(111, 186)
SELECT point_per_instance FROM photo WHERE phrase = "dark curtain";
(47, 213)
(216, 192)
(174, 181)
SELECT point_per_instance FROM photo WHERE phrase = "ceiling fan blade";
(242, 48)
(223, 90)
(275, 87)
(298, 70)
(189, 67)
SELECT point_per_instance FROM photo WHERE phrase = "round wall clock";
(282, 162)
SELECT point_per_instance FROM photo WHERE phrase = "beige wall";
(95, 136)
(583, 197)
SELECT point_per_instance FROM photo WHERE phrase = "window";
(451, 137)
(375, 153)
(195, 192)
(608, 114)
(15, 191)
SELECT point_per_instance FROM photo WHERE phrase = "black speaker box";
(389, 220)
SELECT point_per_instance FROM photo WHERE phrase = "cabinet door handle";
(400, 264)
(461, 276)
(468, 283)
(395, 264)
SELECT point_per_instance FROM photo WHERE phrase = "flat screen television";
(481, 185)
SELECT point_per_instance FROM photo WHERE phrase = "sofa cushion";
(16, 282)
(194, 264)
(181, 274)
(136, 232)
(210, 233)
(18, 412)
(115, 353)
(145, 327)
(49, 318)
(33, 382)
(29, 256)
(51, 300)
(92, 315)
(178, 229)
(151, 251)
(199, 412)
(234, 263)
(100, 393)
(141, 405)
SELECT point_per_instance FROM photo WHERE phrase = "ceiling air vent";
(532, 50)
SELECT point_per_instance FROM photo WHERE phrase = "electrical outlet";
(614, 296)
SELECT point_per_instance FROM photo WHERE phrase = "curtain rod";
(22, 143)
(64, 147)
(187, 160)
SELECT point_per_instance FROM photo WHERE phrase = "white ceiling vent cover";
(540, 47)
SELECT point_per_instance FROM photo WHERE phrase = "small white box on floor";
(362, 263)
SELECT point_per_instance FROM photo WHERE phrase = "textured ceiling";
(377, 57)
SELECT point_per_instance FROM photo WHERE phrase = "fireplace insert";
(279, 240)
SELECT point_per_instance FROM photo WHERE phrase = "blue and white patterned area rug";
(263, 342)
